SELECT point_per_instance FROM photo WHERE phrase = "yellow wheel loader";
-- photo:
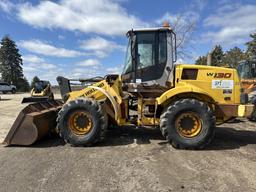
(184, 101)
(247, 74)
(41, 91)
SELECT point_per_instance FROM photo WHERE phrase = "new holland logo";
(220, 75)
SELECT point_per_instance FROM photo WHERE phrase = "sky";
(86, 38)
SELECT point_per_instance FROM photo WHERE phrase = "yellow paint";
(203, 85)
(75, 128)
(45, 92)
(114, 90)
(193, 131)
(143, 120)
(201, 88)
(245, 110)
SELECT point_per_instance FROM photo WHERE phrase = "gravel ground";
(129, 159)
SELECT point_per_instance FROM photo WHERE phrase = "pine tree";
(251, 47)
(217, 56)
(23, 85)
(233, 57)
(34, 80)
(10, 62)
(202, 60)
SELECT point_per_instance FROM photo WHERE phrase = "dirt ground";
(129, 159)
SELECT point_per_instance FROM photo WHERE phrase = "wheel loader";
(247, 73)
(184, 101)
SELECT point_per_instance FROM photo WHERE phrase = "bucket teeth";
(33, 123)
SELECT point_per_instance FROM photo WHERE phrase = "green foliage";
(202, 60)
(233, 57)
(251, 47)
(11, 65)
(10, 62)
(230, 58)
(217, 56)
(34, 80)
(23, 85)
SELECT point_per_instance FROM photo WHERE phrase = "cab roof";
(149, 29)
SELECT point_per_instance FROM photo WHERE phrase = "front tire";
(82, 122)
(13, 91)
(188, 124)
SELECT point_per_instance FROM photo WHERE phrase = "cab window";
(146, 45)
(128, 59)
(162, 51)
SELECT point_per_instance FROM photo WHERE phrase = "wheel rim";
(80, 122)
(188, 124)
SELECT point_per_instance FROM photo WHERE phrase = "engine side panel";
(220, 84)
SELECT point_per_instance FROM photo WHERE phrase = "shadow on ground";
(225, 138)
(230, 138)
(4, 99)
(117, 136)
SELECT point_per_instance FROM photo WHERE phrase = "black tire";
(4, 92)
(170, 131)
(13, 91)
(253, 115)
(99, 122)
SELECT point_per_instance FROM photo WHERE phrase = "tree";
(251, 47)
(217, 56)
(10, 62)
(34, 80)
(184, 26)
(233, 57)
(23, 85)
(202, 60)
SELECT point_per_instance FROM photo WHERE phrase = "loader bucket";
(34, 99)
(33, 123)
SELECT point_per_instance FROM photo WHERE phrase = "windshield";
(41, 84)
(128, 59)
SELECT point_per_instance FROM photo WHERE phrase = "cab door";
(151, 54)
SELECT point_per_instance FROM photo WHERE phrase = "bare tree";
(184, 28)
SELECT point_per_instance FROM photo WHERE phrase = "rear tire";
(98, 122)
(253, 115)
(179, 120)
(13, 91)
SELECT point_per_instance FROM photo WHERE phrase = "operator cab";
(247, 69)
(150, 56)
(40, 86)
